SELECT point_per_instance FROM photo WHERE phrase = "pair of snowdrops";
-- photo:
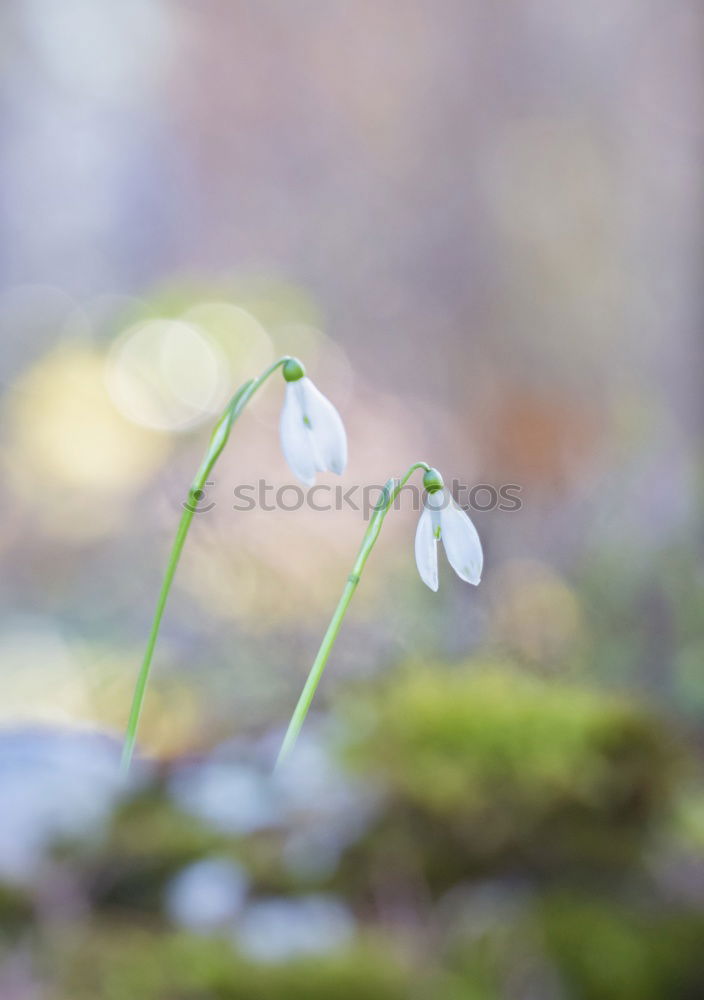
(313, 440)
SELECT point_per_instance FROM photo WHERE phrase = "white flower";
(443, 519)
(312, 434)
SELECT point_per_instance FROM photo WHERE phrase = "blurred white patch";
(40, 680)
(310, 784)
(52, 785)
(274, 930)
(207, 894)
(166, 374)
(235, 798)
(238, 334)
(108, 51)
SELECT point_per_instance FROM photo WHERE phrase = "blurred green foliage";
(510, 852)
(613, 952)
(148, 841)
(487, 769)
(124, 963)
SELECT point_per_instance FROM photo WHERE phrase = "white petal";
(326, 428)
(461, 541)
(427, 549)
(296, 441)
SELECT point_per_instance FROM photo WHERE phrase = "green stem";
(218, 440)
(389, 494)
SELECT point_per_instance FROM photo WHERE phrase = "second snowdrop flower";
(443, 520)
(313, 436)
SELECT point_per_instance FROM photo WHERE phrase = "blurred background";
(479, 225)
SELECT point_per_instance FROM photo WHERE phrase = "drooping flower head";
(443, 520)
(313, 436)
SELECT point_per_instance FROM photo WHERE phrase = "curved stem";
(218, 440)
(389, 494)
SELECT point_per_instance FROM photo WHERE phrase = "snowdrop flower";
(443, 519)
(313, 437)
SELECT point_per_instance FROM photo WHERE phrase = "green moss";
(609, 952)
(490, 768)
(149, 840)
(16, 910)
(129, 964)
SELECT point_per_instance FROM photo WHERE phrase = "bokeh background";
(480, 227)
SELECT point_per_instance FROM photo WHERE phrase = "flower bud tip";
(433, 481)
(293, 370)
